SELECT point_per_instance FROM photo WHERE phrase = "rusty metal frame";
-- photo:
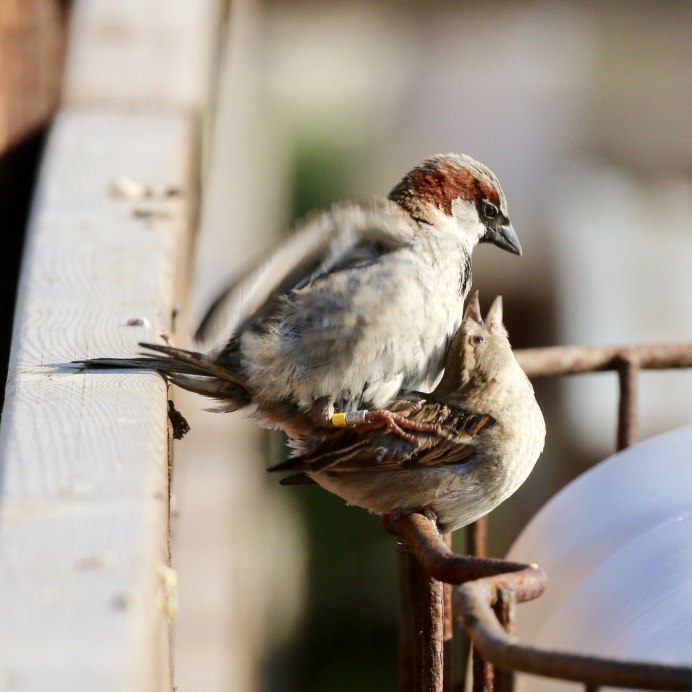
(483, 592)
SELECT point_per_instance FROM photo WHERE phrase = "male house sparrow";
(357, 304)
(494, 435)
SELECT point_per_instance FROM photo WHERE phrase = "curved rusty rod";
(423, 539)
(484, 581)
(572, 360)
(472, 604)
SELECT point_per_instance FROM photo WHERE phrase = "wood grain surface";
(84, 523)
(86, 591)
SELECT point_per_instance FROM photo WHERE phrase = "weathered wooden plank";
(153, 52)
(84, 514)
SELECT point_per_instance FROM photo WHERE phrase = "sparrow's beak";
(473, 309)
(493, 319)
(504, 237)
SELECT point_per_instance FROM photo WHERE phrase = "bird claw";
(396, 421)
(429, 513)
(399, 424)
(391, 519)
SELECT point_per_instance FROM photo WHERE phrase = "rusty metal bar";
(436, 558)
(628, 378)
(425, 596)
(477, 545)
(432, 661)
(504, 609)
(483, 674)
(477, 538)
(473, 604)
(422, 623)
(572, 360)
(501, 580)
(447, 629)
(422, 537)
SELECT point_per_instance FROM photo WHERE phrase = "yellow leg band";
(350, 419)
(339, 420)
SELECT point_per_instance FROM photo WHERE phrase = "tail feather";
(190, 370)
(297, 479)
(293, 464)
(196, 363)
(290, 464)
(163, 365)
(233, 395)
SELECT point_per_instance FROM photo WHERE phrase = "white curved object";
(617, 546)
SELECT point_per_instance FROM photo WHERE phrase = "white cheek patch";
(466, 216)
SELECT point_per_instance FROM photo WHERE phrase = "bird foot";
(429, 513)
(389, 522)
(390, 519)
(399, 424)
(396, 421)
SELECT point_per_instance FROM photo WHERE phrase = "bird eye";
(489, 210)
(477, 340)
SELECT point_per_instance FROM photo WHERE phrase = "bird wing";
(382, 450)
(345, 235)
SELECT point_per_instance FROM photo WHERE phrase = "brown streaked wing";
(383, 450)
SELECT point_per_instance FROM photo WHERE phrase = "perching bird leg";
(390, 519)
(398, 423)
